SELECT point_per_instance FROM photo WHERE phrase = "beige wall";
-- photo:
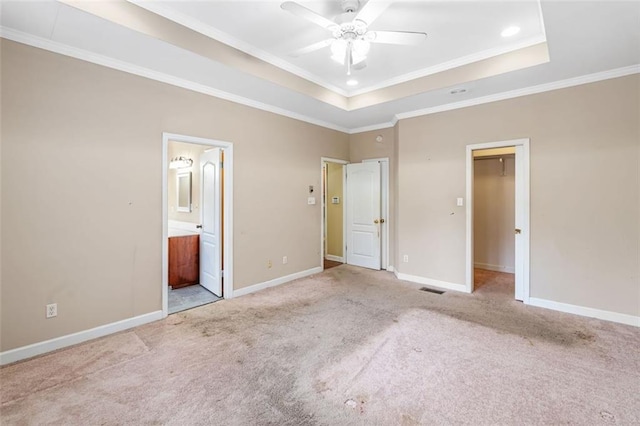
(585, 195)
(334, 211)
(81, 194)
(363, 146)
(494, 213)
(193, 151)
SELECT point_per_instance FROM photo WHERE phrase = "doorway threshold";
(190, 297)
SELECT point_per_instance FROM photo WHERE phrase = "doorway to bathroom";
(197, 236)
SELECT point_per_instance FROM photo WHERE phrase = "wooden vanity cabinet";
(184, 260)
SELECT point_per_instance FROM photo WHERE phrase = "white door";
(520, 225)
(363, 215)
(210, 218)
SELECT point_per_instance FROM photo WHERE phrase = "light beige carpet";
(348, 346)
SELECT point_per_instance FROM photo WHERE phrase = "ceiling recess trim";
(531, 90)
(454, 63)
(106, 61)
(138, 19)
(63, 49)
(209, 31)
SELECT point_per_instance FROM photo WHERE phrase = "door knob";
(199, 226)
(375, 221)
(381, 220)
(518, 231)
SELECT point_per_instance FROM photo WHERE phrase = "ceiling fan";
(351, 38)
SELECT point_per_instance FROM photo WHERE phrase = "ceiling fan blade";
(307, 14)
(311, 48)
(372, 10)
(396, 37)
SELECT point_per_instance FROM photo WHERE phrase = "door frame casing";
(227, 212)
(524, 185)
(323, 191)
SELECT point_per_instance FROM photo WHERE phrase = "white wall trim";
(63, 49)
(334, 258)
(431, 282)
(275, 282)
(373, 127)
(390, 269)
(586, 312)
(84, 55)
(532, 90)
(40, 348)
(497, 268)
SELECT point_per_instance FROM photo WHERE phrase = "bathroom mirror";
(184, 191)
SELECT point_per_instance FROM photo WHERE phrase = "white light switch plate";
(460, 202)
(311, 200)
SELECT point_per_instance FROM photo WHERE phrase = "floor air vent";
(430, 290)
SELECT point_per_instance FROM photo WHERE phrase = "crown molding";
(532, 90)
(84, 55)
(371, 128)
(56, 47)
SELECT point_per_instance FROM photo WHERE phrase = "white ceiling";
(583, 38)
(456, 31)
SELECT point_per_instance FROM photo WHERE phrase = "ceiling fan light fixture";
(339, 50)
(359, 50)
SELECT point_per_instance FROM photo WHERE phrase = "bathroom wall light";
(180, 163)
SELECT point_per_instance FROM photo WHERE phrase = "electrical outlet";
(405, 258)
(269, 264)
(284, 260)
(52, 310)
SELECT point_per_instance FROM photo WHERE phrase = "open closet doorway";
(333, 212)
(498, 218)
(196, 226)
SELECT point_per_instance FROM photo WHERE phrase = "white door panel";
(210, 219)
(363, 215)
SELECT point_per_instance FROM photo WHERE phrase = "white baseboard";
(334, 258)
(586, 312)
(40, 348)
(431, 282)
(277, 281)
(497, 268)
